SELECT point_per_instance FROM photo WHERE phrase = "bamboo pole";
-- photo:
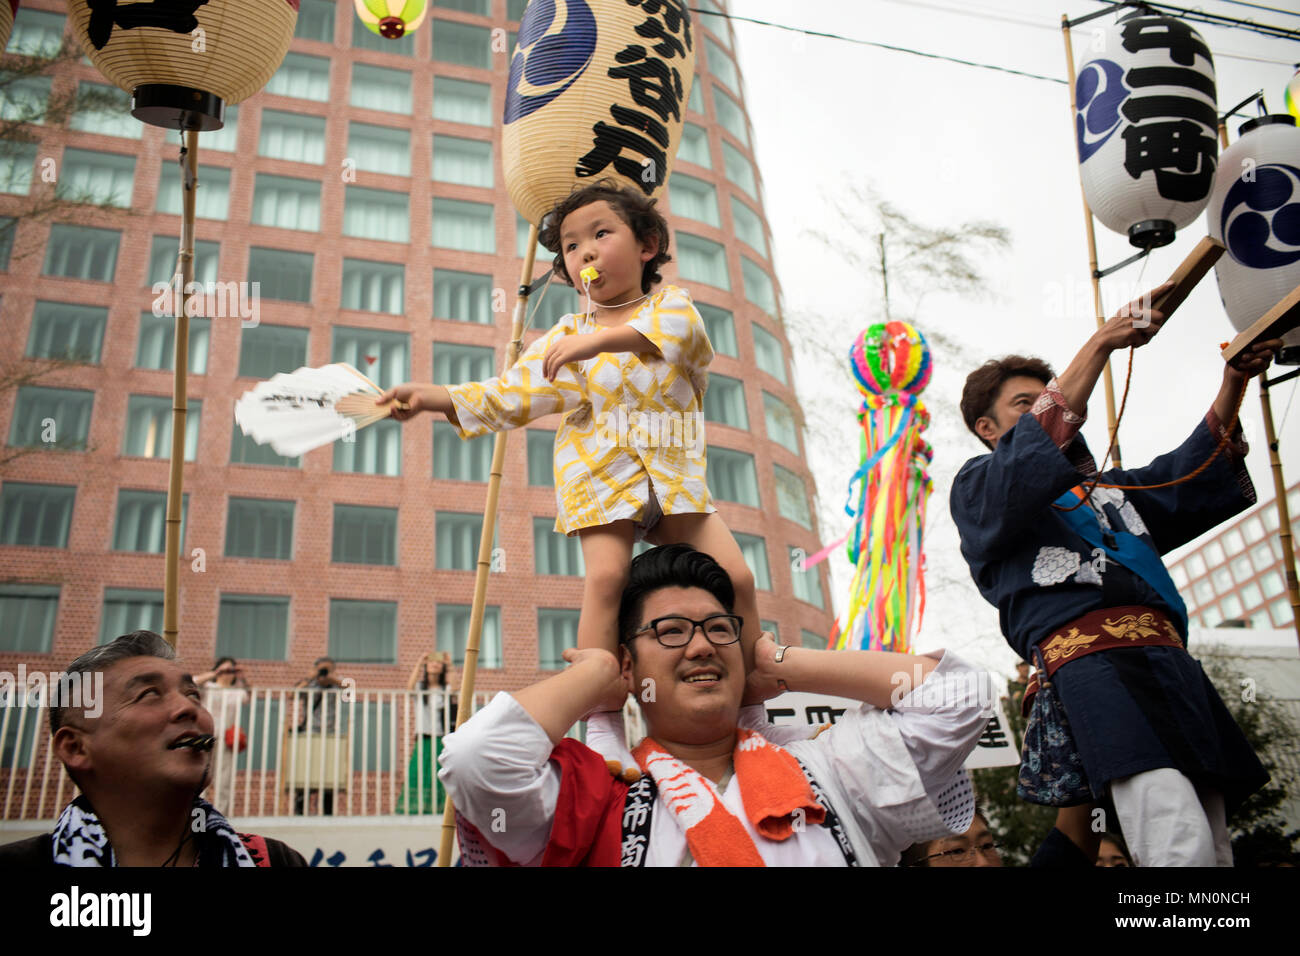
(1279, 482)
(1099, 312)
(470, 670)
(180, 370)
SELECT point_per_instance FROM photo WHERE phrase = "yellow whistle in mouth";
(589, 274)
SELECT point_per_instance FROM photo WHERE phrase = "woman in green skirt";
(429, 677)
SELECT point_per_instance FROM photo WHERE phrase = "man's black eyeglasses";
(719, 629)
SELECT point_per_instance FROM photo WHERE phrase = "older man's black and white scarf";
(79, 838)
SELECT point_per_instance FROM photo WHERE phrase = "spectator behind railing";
(324, 719)
(429, 677)
(225, 692)
(140, 751)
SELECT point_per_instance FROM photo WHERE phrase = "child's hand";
(571, 348)
(415, 397)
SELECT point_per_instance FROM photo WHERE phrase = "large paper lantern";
(1146, 128)
(596, 89)
(1255, 213)
(8, 10)
(392, 19)
(184, 60)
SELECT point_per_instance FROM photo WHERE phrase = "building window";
(462, 101)
(293, 136)
(363, 632)
(385, 356)
(479, 7)
(380, 149)
(245, 451)
(265, 350)
(54, 418)
(738, 169)
(16, 163)
(457, 364)
(253, 627)
(35, 516)
(315, 21)
(105, 110)
(8, 226)
(461, 44)
(364, 535)
(1195, 565)
(164, 255)
(1251, 596)
(376, 450)
(81, 252)
(754, 550)
(554, 304)
(724, 402)
(702, 260)
(1203, 591)
(464, 161)
(807, 582)
(749, 228)
(781, 426)
(379, 88)
(61, 330)
(36, 33)
(515, 9)
(555, 553)
(226, 139)
(26, 100)
(286, 203)
(792, 496)
(696, 101)
(281, 274)
(92, 177)
(540, 253)
(720, 65)
(541, 457)
(211, 199)
(453, 634)
(1214, 553)
(758, 285)
(731, 476)
(149, 427)
(457, 540)
(374, 286)
(141, 521)
(1262, 556)
(1271, 583)
(767, 353)
(303, 77)
(811, 640)
(29, 612)
(127, 610)
(730, 115)
(1281, 613)
(462, 296)
(694, 146)
(258, 528)
(557, 631)
(376, 214)
(694, 199)
(463, 225)
(1253, 529)
(721, 328)
(457, 460)
(1241, 569)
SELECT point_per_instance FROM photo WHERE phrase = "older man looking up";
(141, 764)
(716, 789)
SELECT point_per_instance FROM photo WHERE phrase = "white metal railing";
(289, 752)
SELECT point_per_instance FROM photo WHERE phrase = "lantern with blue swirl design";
(1255, 213)
(8, 10)
(182, 61)
(595, 90)
(392, 19)
(1145, 127)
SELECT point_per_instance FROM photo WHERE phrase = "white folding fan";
(294, 412)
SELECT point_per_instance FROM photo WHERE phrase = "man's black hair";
(135, 644)
(670, 566)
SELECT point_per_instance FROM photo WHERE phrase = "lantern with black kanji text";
(182, 61)
(595, 90)
(1255, 213)
(392, 19)
(1145, 126)
(8, 10)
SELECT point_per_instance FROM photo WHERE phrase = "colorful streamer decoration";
(392, 19)
(888, 492)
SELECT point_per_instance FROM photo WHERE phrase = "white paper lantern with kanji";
(8, 10)
(182, 61)
(1146, 128)
(596, 89)
(1255, 213)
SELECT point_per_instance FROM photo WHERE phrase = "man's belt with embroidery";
(1104, 630)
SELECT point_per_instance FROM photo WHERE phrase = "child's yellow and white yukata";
(631, 443)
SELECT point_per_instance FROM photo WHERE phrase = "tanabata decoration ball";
(183, 61)
(595, 89)
(392, 19)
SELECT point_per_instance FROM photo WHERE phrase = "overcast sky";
(946, 142)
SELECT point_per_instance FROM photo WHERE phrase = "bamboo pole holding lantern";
(180, 372)
(470, 671)
(1098, 310)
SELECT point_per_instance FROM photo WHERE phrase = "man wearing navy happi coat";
(1075, 569)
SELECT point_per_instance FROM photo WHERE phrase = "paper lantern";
(1255, 213)
(1291, 97)
(1146, 128)
(7, 13)
(595, 90)
(183, 61)
(392, 19)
